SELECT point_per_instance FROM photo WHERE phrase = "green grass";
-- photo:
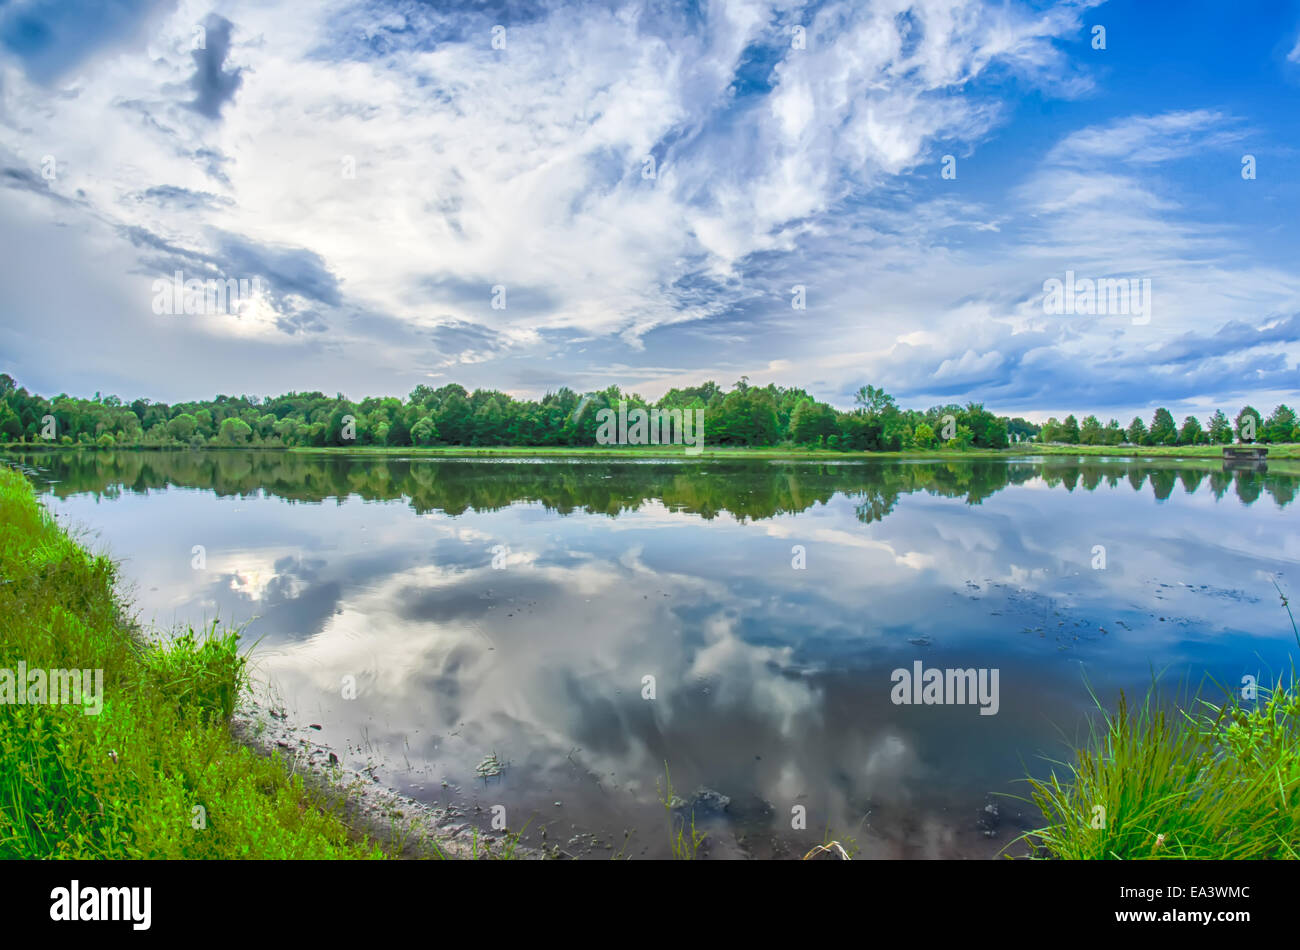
(481, 846)
(156, 773)
(683, 839)
(1218, 782)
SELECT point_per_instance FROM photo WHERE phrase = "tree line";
(1249, 426)
(752, 490)
(744, 415)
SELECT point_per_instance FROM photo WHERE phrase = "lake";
(592, 623)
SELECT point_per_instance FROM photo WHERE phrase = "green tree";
(747, 417)
(962, 440)
(399, 433)
(1248, 425)
(895, 433)
(1090, 431)
(182, 427)
(987, 430)
(234, 432)
(337, 429)
(1163, 431)
(424, 432)
(10, 425)
(812, 423)
(489, 423)
(1220, 431)
(1070, 430)
(1281, 425)
(1022, 430)
(874, 401)
(286, 430)
(1137, 432)
(1191, 432)
(203, 422)
(454, 420)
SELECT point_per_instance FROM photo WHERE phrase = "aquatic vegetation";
(490, 767)
(684, 839)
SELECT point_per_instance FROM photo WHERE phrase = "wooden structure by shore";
(1244, 452)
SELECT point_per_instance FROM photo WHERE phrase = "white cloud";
(523, 167)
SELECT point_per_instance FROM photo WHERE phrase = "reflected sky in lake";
(772, 683)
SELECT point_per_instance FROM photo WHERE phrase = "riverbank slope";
(144, 765)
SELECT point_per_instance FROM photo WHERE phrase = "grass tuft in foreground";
(683, 840)
(1223, 782)
(155, 774)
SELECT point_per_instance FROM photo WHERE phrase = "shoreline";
(404, 827)
(276, 791)
(185, 757)
(1026, 451)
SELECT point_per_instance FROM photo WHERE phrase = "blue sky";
(126, 154)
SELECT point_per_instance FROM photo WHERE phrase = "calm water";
(772, 683)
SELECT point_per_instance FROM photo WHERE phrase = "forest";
(745, 415)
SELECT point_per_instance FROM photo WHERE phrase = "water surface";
(516, 608)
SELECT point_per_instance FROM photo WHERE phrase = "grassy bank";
(155, 774)
(1220, 783)
(1217, 781)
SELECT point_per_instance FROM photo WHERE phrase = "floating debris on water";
(490, 767)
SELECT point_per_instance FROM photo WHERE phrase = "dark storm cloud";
(289, 270)
(285, 271)
(1050, 379)
(1032, 373)
(214, 85)
(1230, 338)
